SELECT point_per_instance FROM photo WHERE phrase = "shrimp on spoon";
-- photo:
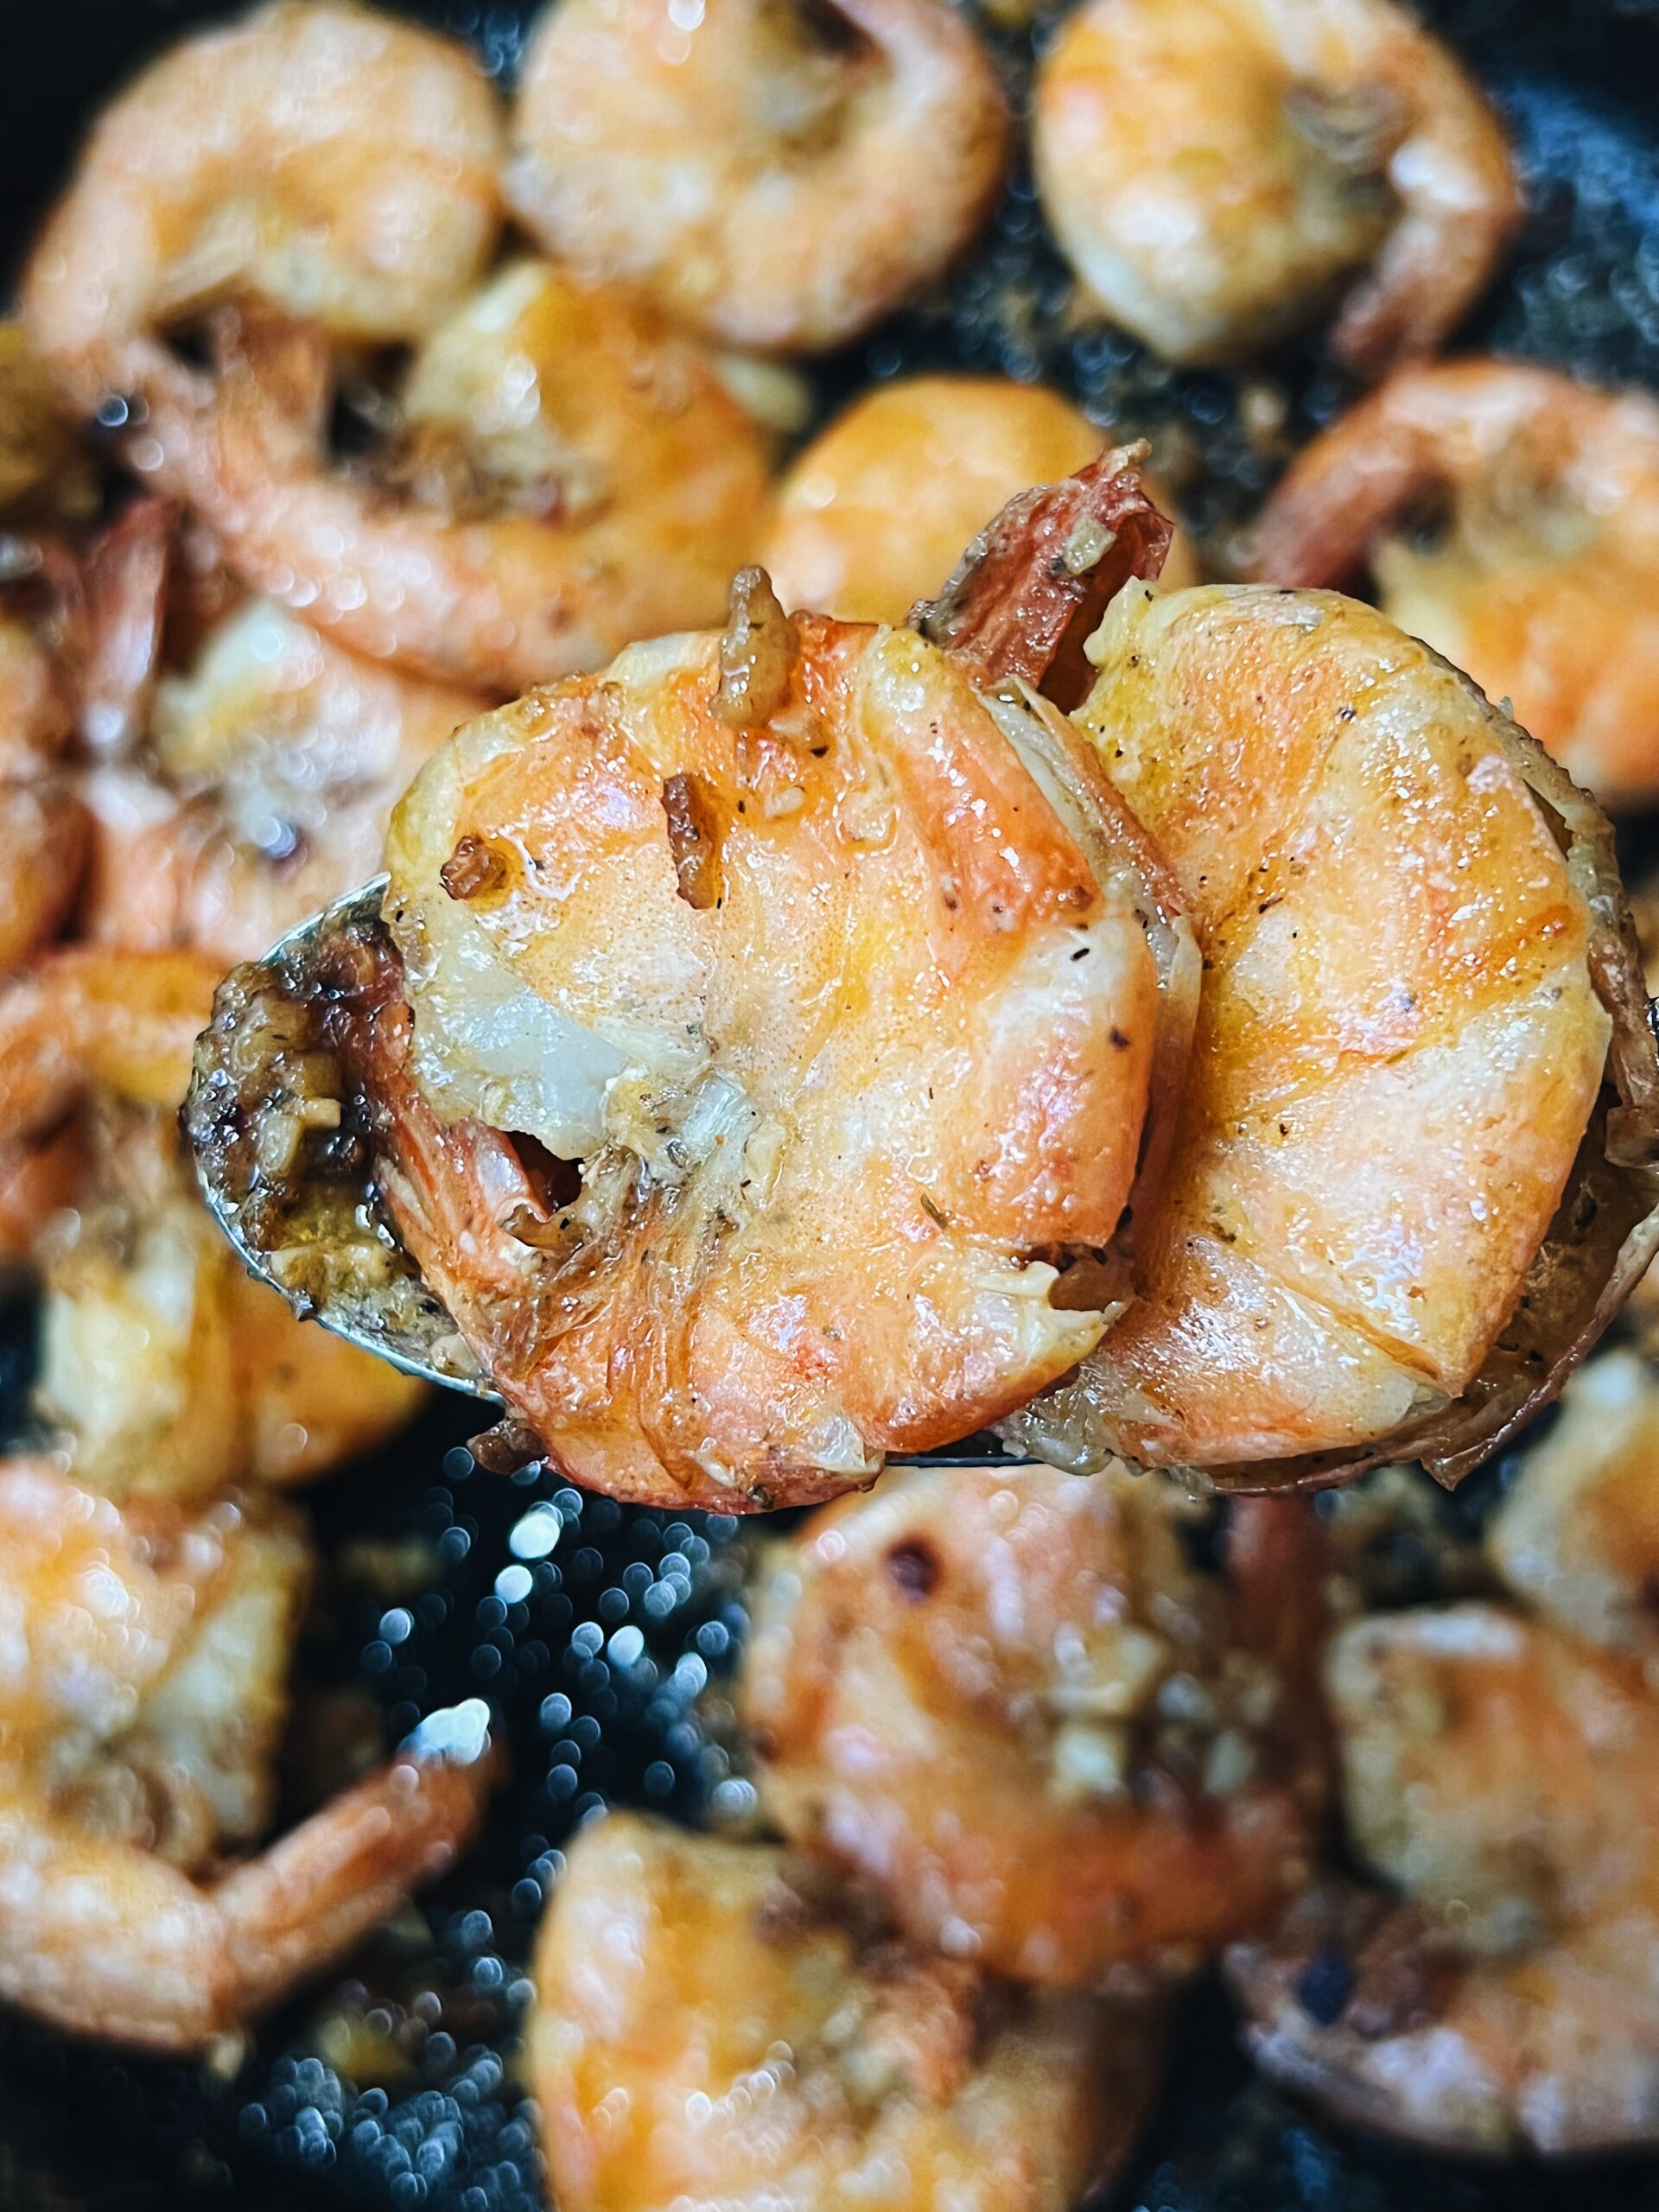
(1413, 1178)
(847, 976)
(140, 1708)
(1268, 1310)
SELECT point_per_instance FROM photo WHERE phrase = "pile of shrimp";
(171, 743)
(878, 949)
(1022, 1768)
(152, 1579)
(1475, 1971)
(1003, 1720)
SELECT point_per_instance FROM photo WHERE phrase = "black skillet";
(395, 2084)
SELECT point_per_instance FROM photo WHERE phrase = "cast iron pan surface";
(398, 2082)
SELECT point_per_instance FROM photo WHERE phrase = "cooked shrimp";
(771, 1014)
(337, 163)
(1505, 1779)
(1400, 1046)
(874, 514)
(1577, 1535)
(111, 1941)
(273, 764)
(716, 2023)
(70, 651)
(81, 1019)
(79, 650)
(570, 474)
(843, 999)
(141, 1699)
(120, 1625)
(137, 1360)
(167, 1368)
(1542, 580)
(1216, 170)
(84, 1016)
(777, 180)
(1010, 1703)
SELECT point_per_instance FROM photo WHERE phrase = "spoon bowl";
(368, 1291)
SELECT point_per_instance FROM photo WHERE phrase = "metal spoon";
(418, 1337)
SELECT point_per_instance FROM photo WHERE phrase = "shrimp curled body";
(1498, 1763)
(846, 1024)
(273, 764)
(673, 1971)
(1216, 169)
(341, 165)
(570, 474)
(566, 474)
(1401, 1040)
(962, 1690)
(1500, 1774)
(140, 1706)
(772, 194)
(1542, 580)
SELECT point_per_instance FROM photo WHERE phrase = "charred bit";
(757, 654)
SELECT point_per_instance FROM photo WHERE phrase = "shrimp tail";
(1460, 205)
(1388, 450)
(328, 1884)
(112, 1941)
(1033, 586)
